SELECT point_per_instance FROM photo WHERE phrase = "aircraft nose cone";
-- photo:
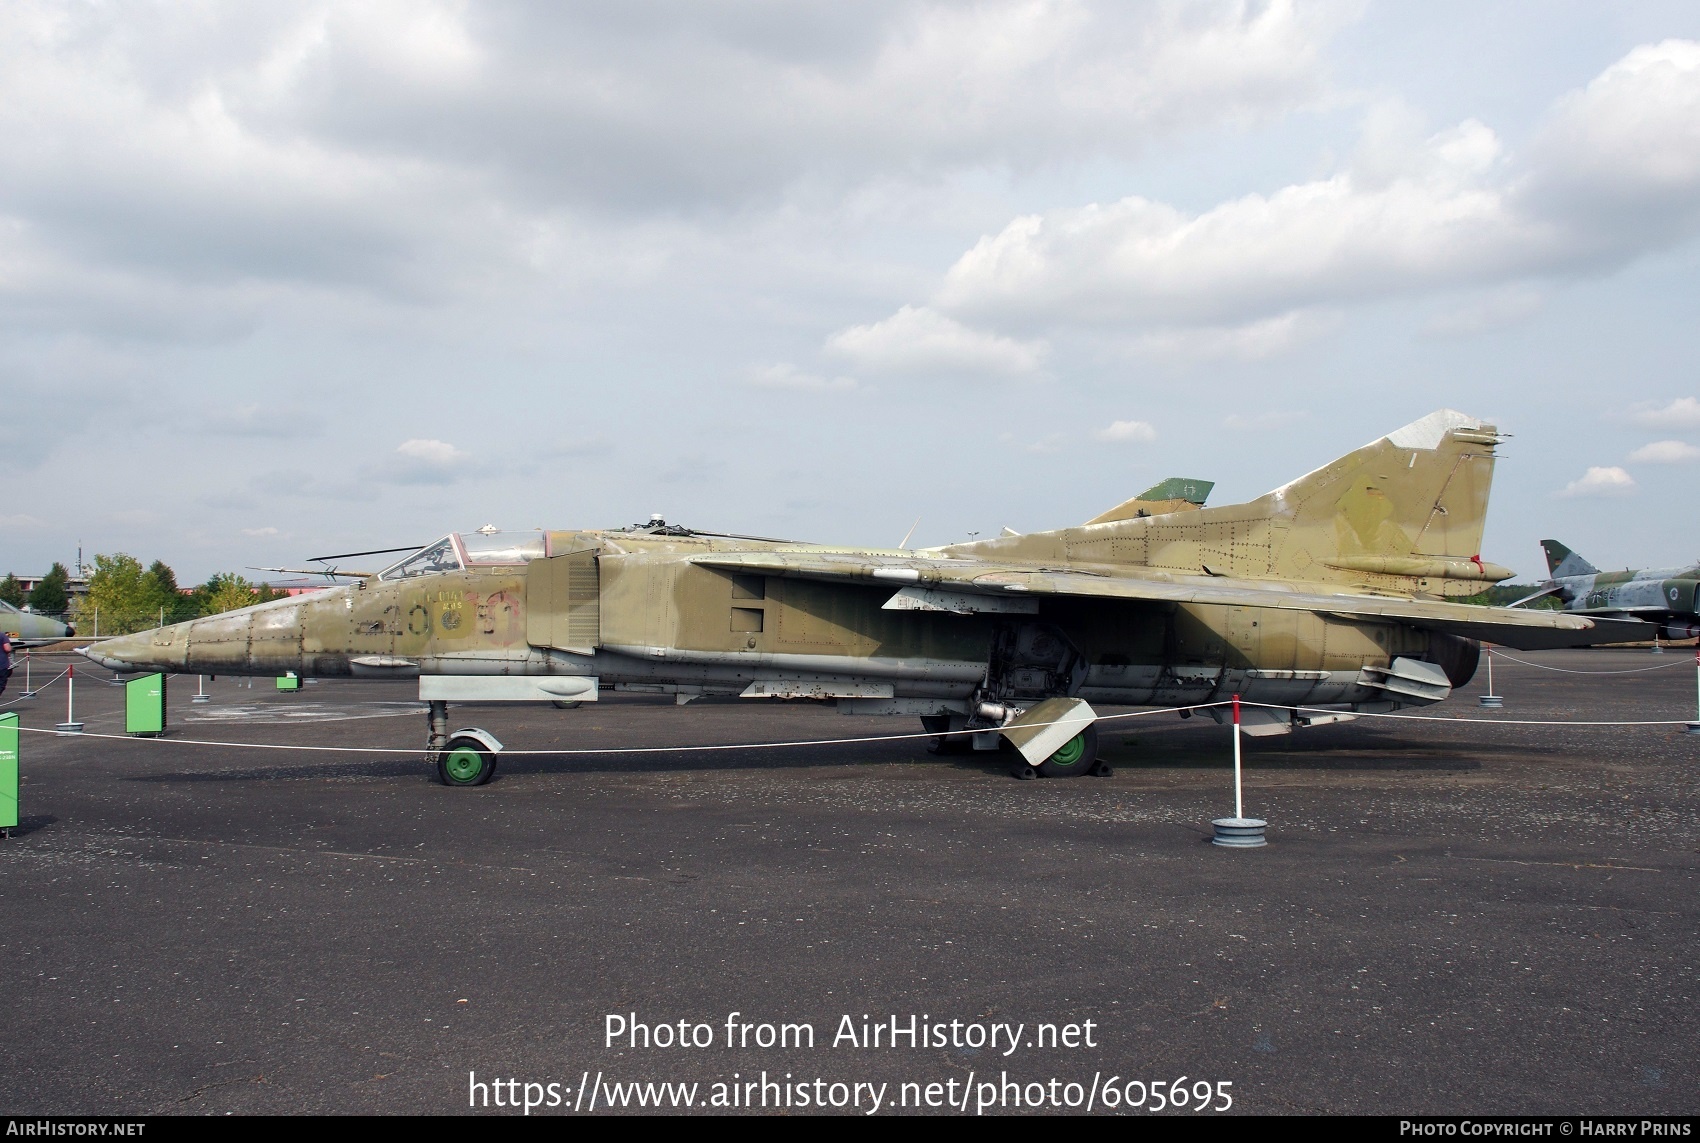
(125, 653)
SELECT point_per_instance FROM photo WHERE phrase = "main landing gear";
(1076, 757)
(464, 758)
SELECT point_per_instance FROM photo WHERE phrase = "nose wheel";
(464, 758)
(466, 762)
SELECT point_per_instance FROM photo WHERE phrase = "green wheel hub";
(1069, 752)
(464, 764)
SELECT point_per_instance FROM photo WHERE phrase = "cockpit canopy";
(458, 550)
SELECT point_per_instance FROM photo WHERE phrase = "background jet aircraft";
(1325, 593)
(28, 628)
(1669, 597)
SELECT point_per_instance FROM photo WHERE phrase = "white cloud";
(258, 532)
(407, 149)
(787, 376)
(1406, 215)
(21, 521)
(430, 452)
(425, 461)
(1624, 153)
(1665, 452)
(1253, 341)
(1681, 413)
(1127, 432)
(1598, 481)
(917, 339)
(1334, 240)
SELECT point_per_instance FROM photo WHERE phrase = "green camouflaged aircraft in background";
(1668, 598)
(29, 628)
(1328, 593)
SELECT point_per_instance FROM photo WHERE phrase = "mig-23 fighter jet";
(1327, 594)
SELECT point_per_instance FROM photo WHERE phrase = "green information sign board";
(9, 771)
(144, 705)
(289, 682)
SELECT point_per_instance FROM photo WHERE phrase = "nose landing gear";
(465, 758)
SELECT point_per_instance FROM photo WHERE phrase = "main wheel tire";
(1073, 758)
(465, 762)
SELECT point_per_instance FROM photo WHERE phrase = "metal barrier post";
(1239, 802)
(70, 725)
(29, 692)
(1239, 831)
(201, 694)
(1491, 700)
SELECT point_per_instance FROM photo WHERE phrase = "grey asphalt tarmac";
(1450, 917)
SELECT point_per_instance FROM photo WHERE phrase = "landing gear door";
(563, 602)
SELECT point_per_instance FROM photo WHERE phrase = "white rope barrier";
(851, 741)
(620, 749)
(37, 690)
(1568, 671)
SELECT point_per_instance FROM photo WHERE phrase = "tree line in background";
(47, 597)
(128, 597)
(1504, 594)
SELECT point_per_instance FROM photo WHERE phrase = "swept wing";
(958, 580)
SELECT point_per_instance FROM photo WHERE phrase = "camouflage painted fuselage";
(649, 617)
(1669, 592)
(1327, 591)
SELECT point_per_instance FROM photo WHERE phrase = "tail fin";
(1176, 494)
(1404, 513)
(1561, 561)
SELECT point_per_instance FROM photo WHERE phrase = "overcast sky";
(286, 279)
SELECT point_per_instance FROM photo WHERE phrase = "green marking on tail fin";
(1179, 488)
(1561, 561)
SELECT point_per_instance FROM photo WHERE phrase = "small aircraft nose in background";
(28, 627)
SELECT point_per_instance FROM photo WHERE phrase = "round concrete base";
(1239, 833)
